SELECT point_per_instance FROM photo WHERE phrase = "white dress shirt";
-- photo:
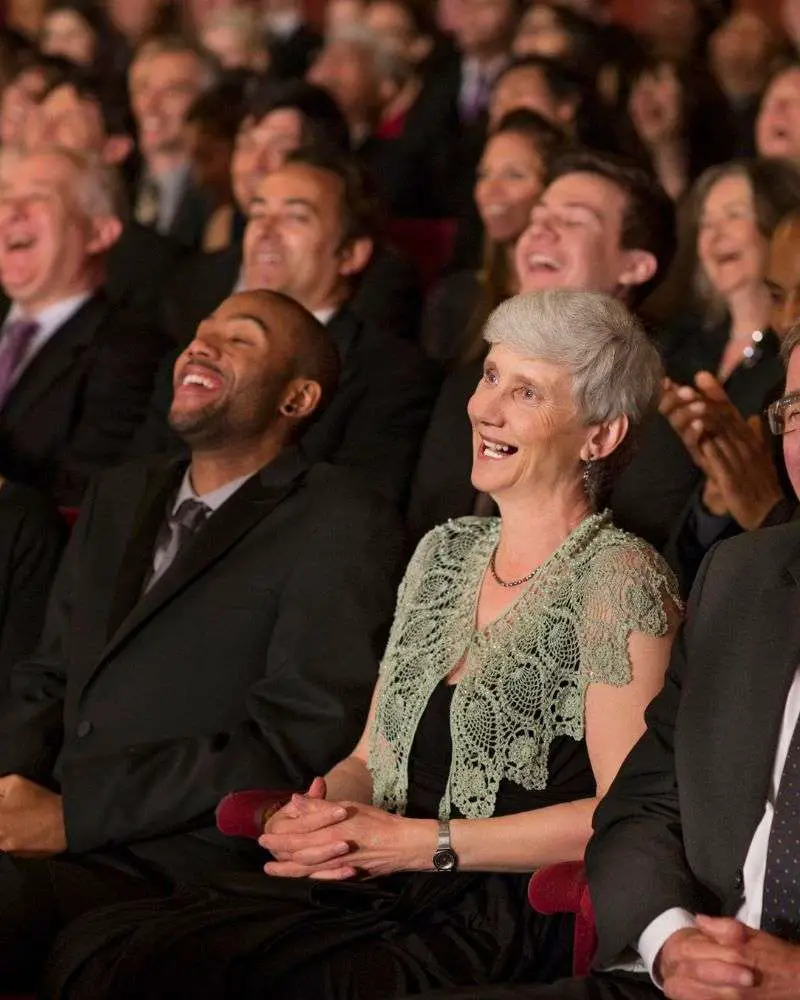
(655, 935)
(49, 321)
(162, 557)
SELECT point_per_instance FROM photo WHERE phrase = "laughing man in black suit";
(76, 369)
(216, 625)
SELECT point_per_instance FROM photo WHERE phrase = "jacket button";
(83, 729)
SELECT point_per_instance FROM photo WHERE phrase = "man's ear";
(603, 439)
(353, 258)
(300, 398)
(104, 233)
(640, 266)
(117, 149)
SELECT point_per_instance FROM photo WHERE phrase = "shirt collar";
(213, 500)
(53, 316)
(473, 69)
(324, 316)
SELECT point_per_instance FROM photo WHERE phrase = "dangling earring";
(587, 477)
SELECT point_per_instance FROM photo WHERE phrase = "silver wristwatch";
(445, 858)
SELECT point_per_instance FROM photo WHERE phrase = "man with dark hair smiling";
(216, 625)
(600, 225)
(86, 114)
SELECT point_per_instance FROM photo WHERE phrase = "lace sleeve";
(629, 588)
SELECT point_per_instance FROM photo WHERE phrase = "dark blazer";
(373, 424)
(250, 663)
(387, 296)
(291, 57)
(651, 494)
(676, 825)
(441, 487)
(75, 407)
(140, 267)
(191, 216)
(32, 536)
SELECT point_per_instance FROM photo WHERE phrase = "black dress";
(254, 936)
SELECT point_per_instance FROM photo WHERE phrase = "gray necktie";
(178, 530)
(15, 341)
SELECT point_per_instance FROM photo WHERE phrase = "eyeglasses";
(784, 414)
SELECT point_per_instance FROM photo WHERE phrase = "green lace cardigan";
(526, 674)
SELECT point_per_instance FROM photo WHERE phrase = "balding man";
(216, 625)
(76, 370)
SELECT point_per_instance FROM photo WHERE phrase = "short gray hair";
(99, 189)
(386, 63)
(615, 369)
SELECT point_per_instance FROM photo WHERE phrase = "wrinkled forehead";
(50, 171)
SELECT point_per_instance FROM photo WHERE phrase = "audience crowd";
(398, 493)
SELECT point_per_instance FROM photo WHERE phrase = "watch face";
(445, 860)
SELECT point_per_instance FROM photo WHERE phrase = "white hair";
(615, 369)
(387, 64)
(99, 189)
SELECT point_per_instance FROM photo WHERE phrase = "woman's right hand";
(293, 833)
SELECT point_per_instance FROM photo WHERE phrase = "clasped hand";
(31, 819)
(723, 959)
(311, 837)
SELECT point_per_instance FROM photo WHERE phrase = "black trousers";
(39, 897)
(599, 986)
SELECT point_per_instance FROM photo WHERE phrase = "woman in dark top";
(32, 535)
(510, 179)
(523, 652)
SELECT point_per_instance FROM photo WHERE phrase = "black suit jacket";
(192, 214)
(250, 662)
(676, 825)
(441, 487)
(32, 536)
(140, 267)
(76, 406)
(373, 424)
(291, 57)
(387, 295)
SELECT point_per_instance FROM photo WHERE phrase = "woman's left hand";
(369, 842)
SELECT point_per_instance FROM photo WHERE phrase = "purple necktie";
(14, 342)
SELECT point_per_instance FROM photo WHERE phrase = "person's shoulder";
(343, 495)
(25, 505)
(459, 536)
(624, 559)
(770, 549)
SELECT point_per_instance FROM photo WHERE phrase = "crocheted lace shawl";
(526, 674)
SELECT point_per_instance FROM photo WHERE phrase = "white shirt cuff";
(654, 936)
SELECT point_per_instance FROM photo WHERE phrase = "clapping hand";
(697, 412)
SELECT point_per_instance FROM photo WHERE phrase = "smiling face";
(778, 122)
(510, 179)
(574, 237)
(540, 33)
(261, 148)
(229, 382)
(347, 71)
(483, 27)
(163, 86)
(46, 238)
(17, 105)
(64, 119)
(526, 433)
(293, 235)
(67, 34)
(730, 249)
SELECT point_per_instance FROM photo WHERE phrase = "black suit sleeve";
(635, 862)
(31, 717)
(116, 397)
(309, 706)
(34, 552)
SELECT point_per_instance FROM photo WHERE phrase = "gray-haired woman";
(523, 653)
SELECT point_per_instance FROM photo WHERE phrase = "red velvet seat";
(564, 889)
(70, 515)
(428, 242)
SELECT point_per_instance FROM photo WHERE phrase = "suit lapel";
(56, 357)
(254, 501)
(137, 560)
(743, 720)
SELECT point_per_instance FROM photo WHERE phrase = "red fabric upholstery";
(428, 242)
(241, 814)
(564, 889)
(70, 515)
